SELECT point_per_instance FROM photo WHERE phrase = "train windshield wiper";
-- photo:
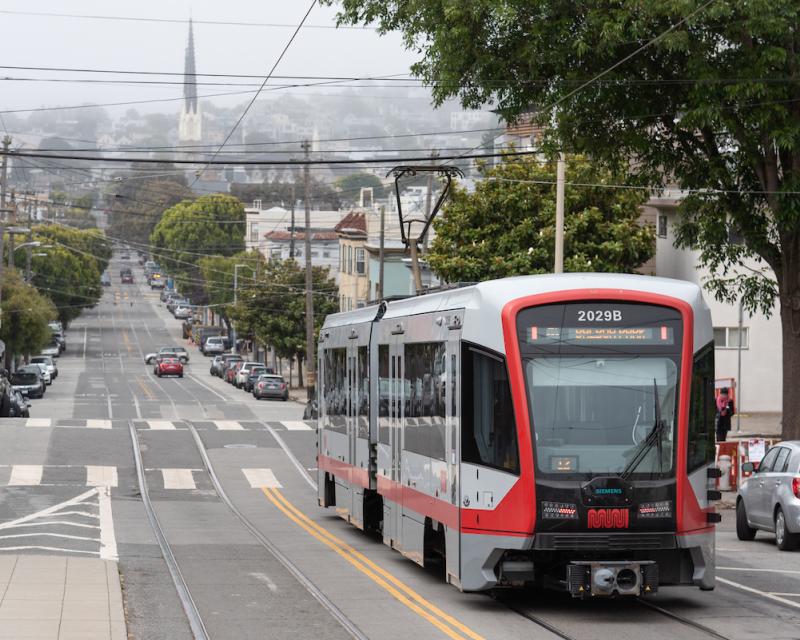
(653, 439)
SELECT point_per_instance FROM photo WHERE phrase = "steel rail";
(538, 621)
(187, 602)
(683, 620)
(292, 568)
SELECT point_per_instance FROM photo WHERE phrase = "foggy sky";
(106, 44)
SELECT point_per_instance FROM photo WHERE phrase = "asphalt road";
(68, 485)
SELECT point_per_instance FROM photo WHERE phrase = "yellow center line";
(145, 389)
(395, 587)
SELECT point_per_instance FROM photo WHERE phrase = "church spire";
(190, 75)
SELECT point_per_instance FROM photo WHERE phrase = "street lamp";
(236, 294)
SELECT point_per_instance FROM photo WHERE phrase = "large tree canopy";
(711, 105)
(25, 316)
(507, 226)
(211, 225)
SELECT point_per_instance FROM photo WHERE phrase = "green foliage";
(189, 231)
(25, 314)
(507, 226)
(273, 308)
(218, 278)
(351, 185)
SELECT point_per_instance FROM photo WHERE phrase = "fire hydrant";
(724, 464)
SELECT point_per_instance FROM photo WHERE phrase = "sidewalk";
(60, 598)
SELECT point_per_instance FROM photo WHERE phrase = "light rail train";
(554, 430)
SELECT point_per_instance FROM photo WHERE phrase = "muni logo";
(608, 519)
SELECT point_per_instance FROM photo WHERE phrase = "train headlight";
(661, 509)
(559, 511)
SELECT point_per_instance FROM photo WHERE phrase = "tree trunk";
(790, 322)
(300, 372)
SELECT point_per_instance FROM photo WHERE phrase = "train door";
(453, 453)
(396, 408)
(352, 423)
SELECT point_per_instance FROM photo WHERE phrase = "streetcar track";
(538, 621)
(292, 568)
(682, 619)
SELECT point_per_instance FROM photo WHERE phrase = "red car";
(230, 372)
(168, 367)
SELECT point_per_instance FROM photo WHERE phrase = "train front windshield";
(602, 386)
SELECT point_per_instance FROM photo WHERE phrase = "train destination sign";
(661, 336)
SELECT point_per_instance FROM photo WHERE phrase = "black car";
(18, 407)
(29, 381)
(253, 375)
(61, 340)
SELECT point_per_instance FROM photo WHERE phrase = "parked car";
(59, 337)
(220, 363)
(56, 326)
(253, 376)
(168, 366)
(173, 352)
(105, 280)
(175, 301)
(243, 372)
(769, 500)
(270, 385)
(182, 312)
(213, 345)
(166, 294)
(29, 381)
(48, 379)
(231, 370)
(53, 350)
(51, 364)
(125, 256)
(18, 406)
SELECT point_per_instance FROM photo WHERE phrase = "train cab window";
(702, 411)
(384, 382)
(489, 434)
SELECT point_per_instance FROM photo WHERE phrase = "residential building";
(324, 247)
(760, 384)
(354, 290)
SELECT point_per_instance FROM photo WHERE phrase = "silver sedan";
(769, 500)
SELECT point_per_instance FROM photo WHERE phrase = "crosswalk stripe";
(98, 424)
(38, 422)
(296, 425)
(178, 479)
(261, 478)
(25, 475)
(160, 424)
(98, 476)
(229, 425)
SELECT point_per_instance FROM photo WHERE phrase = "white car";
(181, 313)
(244, 372)
(51, 350)
(47, 360)
(48, 379)
(214, 345)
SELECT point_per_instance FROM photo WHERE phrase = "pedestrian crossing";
(167, 479)
(163, 425)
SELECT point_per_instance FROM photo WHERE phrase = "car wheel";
(180, 375)
(743, 530)
(786, 540)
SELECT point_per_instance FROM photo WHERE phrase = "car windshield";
(24, 378)
(257, 371)
(270, 378)
(40, 360)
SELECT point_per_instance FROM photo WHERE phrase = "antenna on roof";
(447, 172)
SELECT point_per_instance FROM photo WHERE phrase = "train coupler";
(613, 578)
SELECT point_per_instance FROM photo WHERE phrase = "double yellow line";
(451, 627)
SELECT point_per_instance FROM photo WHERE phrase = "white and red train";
(553, 430)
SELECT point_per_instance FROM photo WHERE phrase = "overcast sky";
(50, 41)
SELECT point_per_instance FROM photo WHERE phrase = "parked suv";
(769, 500)
(213, 345)
(242, 374)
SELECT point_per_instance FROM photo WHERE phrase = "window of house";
(349, 259)
(254, 232)
(702, 411)
(662, 226)
(489, 434)
(326, 254)
(361, 267)
(728, 337)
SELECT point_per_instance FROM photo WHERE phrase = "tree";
(25, 316)
(710, 106)
(507, 228)
(218, 274)
(273, 308)
(189, 231)
(350, 185)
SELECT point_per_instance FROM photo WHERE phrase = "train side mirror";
(749, 467)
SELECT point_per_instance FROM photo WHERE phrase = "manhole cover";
(240, 446)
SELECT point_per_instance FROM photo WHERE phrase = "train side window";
(362, 413)
(384, 435)
(702, 410)
(488, 427)
(335, 389)
(424, 424)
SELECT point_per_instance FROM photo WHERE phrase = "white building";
(760, 387)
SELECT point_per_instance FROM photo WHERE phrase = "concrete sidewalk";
(60, 598)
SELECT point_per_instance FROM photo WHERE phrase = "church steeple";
(190, 75)
(190, 125)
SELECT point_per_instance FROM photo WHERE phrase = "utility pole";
(381, 253)
(12, 210)
(29, 253)
(561, 170)
(291, 229)
(310, 368)
(3, 177)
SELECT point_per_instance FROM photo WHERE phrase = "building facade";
(353, 273)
